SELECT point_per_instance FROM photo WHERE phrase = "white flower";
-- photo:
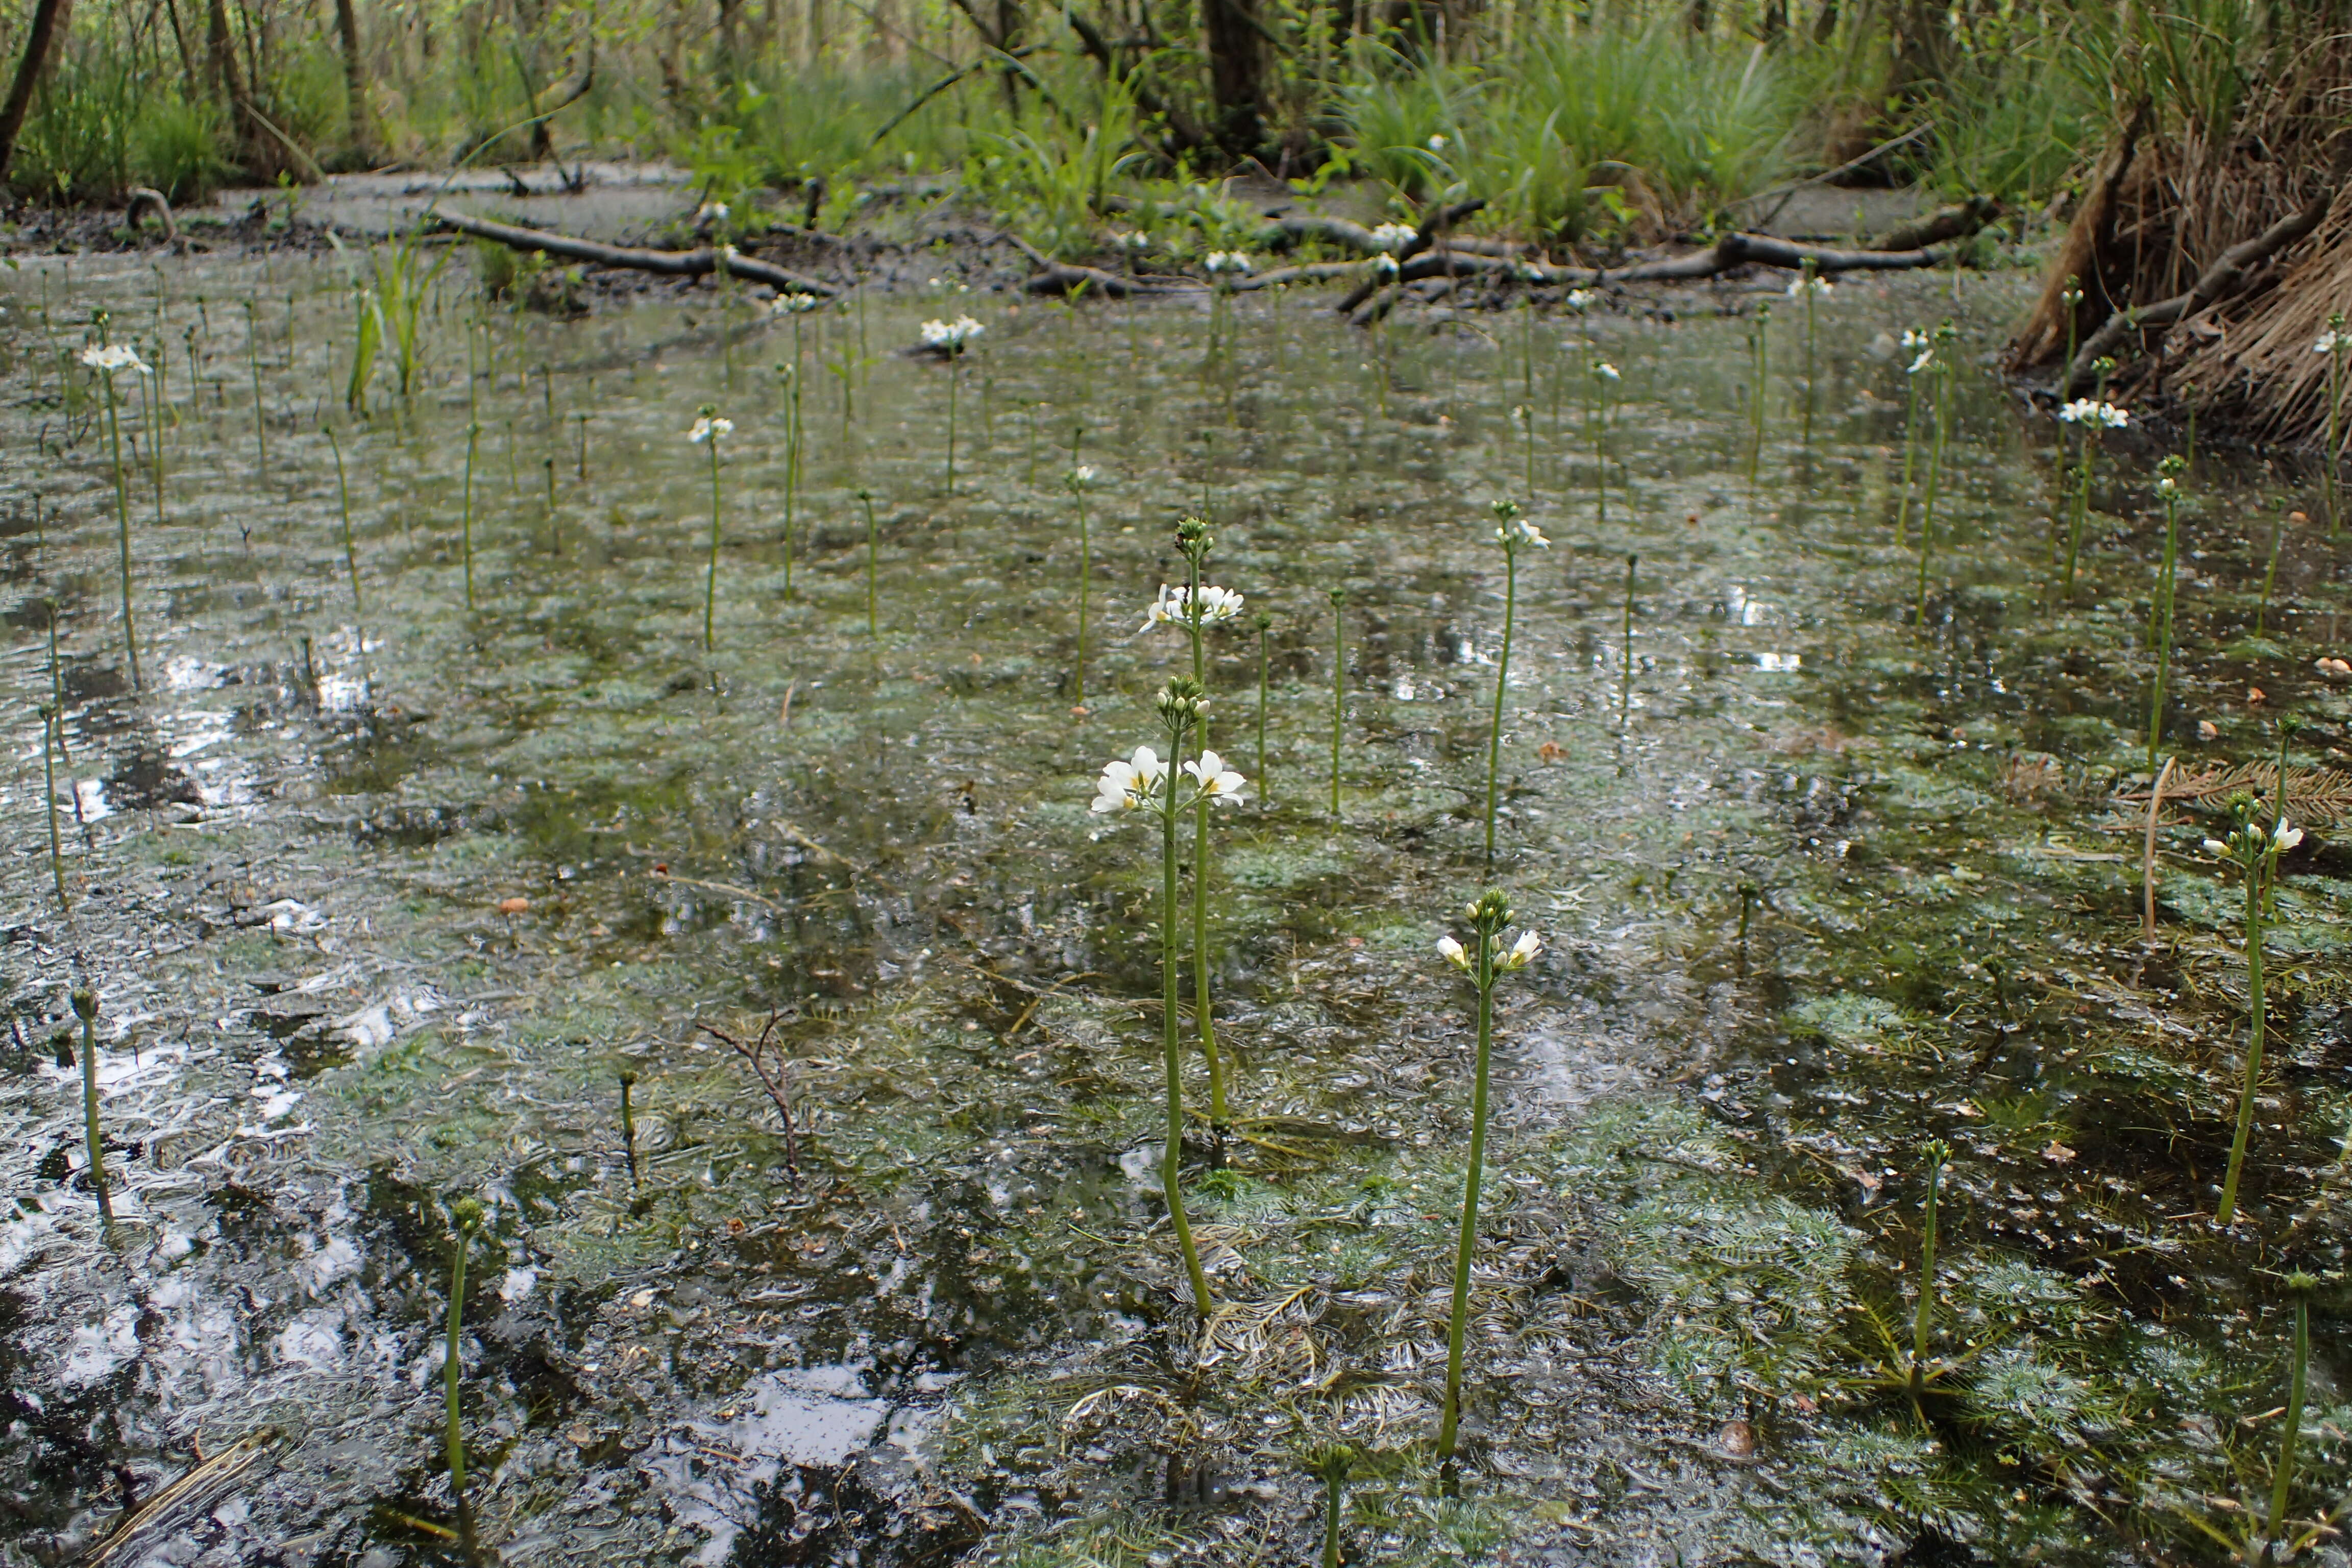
(1605, 371)
(1530, 273)
(1385, 264)
(1438, 144)
(1174, 606)
(1393, 237)
(1456, 954)
(1130, 784)
(1520, 530)
(1580, 299)
(951, 335)
(713, 212)
(2329, 341)
(1218, 782)
(114, 357)
(2165, 487)
(2216, 849)
(1926, 357)
(792, 304)
(1525, 948)
(726, 252)
(1228, 261)
(2090, 411)
(711, 429)
(1082, 476)
(1130, 239)
(1818, 288)
(1917, 337)
(2285, 836)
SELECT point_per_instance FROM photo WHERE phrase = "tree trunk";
(347, 23)
(51, 18)
(1236, 75)
(195, 90)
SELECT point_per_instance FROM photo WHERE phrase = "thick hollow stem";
(90, 1115)
(123, 522)
(1172, 1045)
(2227, 1211)
(1466, 1248)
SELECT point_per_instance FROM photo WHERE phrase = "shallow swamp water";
(381, 896)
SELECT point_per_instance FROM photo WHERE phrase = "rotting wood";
(142, 196)
(695, 263)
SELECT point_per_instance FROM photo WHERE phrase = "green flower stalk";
(1143, 783)
(709, 430)
(1485, 961)
(2299, 1286)
(351, 548)
(873, 566)
(1625, 670)
(1078, 479)
(629, 1123)
(1330, 1463)
(2061, 503)
(106, 359)
(1512, 532)
(466, 1218)
(473, 443)
(1604, 379)
(1942, 371)
(1760, 353)
(2160, 613)
(2270, 573)
(1809, 286)
(260, 426)
(85, 1006)
(2254, 852)
(1196, 606)
(1923, 1319)
(2287, 726)
(1264, 623)
(1338, 688)
(2335, 342)
(1920, 343)
(948, 340)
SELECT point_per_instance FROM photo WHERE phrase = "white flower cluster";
(1520, 530)
(1131, 783)
(1174, 607)
(1514, 957)
(113, 357)
(1133, 239)
(2091, 411)
(1818, 288)
(2168, 486)
(1919, 341)
(1603, 370)
(1581, 300)
(2277, 841)
(2328, 342)
(1081, 477)
(710, 427)
(951, 335)
(1229, 261)
(1385, 264)
(1393, 237)
(792, 304)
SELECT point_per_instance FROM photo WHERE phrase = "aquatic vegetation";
(106, 359)
(466, 529)
(1338, 597)
(707, 431)
(1604, 381)
(1811, 288)
(1264, 625)
(2161, 617)
(1512, 532)
(1922, 1320)
(629, 1124)
(1484, 961)
(1143, 783)
(1625, 651)
(2089, 415)
(1759, 356)
(2254, 851)
(873, 566)
(351, 548)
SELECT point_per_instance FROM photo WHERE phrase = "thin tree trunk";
(51, 18)
(1236, 74)
(195, 89)
(347, 23)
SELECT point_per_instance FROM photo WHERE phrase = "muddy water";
(385, 894)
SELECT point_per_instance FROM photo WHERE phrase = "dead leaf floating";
(514, 906)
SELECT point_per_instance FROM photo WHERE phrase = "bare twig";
(774, 1080)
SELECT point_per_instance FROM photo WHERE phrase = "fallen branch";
(693, 263)
(2218, 282)
(1064, 278)
(142, 196)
